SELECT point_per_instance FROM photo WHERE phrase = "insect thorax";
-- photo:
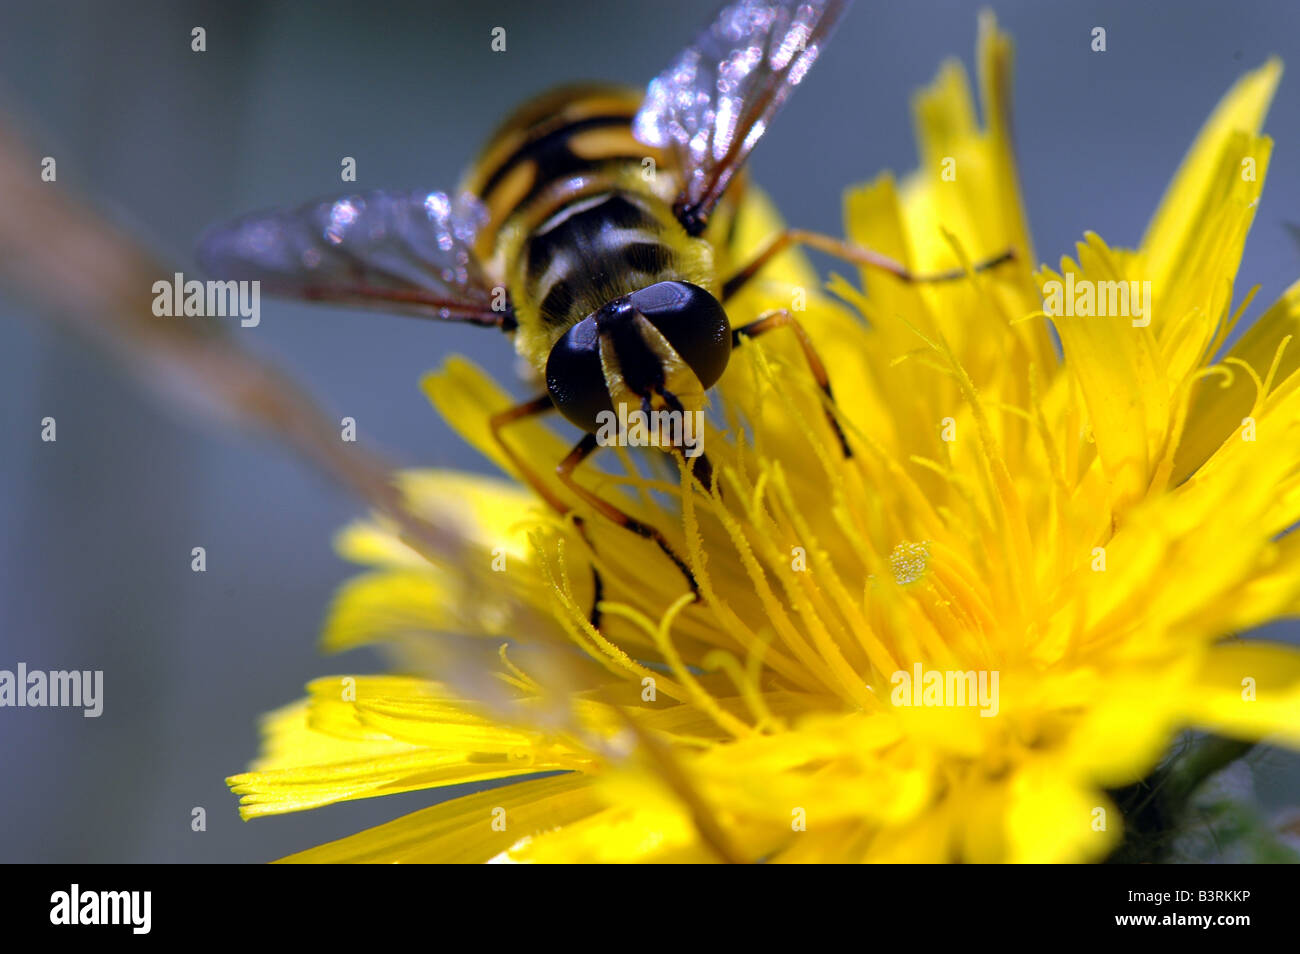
(579, 212)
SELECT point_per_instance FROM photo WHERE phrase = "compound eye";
(575, 378)
(694, 323)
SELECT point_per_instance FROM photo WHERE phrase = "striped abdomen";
(577, 216)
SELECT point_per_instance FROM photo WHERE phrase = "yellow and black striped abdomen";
(572, 131)
(577, 216)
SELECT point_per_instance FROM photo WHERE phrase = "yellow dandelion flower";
(1069, 540)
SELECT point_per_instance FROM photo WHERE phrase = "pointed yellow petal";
(362, 736)
(1173, 226)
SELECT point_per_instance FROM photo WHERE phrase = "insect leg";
(781, 318)
(849, 253)
(698, 465)
(534, 408)
(584, 449)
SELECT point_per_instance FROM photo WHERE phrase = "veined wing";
(405, 251)
(713, 104)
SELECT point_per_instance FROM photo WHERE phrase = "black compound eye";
(694, 323)
(575, 378)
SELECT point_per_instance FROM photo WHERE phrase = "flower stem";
(1153, 807)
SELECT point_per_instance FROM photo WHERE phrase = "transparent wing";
(410, 252)
(716, 100)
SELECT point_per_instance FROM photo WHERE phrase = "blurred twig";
(79, 270)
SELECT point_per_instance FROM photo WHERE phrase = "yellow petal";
(1116, 366)
(358, 737)
(758, 221)
(1249, 690)
(466, 830)
(1220, 402)
(1173, 227)
(1052, 819)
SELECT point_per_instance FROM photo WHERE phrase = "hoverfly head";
(643, 337)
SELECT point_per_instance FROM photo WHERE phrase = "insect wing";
(716, 100)
(410, 252)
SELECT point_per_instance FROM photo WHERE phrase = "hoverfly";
(605, 277)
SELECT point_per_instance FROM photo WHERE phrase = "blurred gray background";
(96, 529)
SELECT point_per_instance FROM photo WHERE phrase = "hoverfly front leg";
(698, 466)
(584, 449)
(782, 318)
(534, 408)
(849, 253)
